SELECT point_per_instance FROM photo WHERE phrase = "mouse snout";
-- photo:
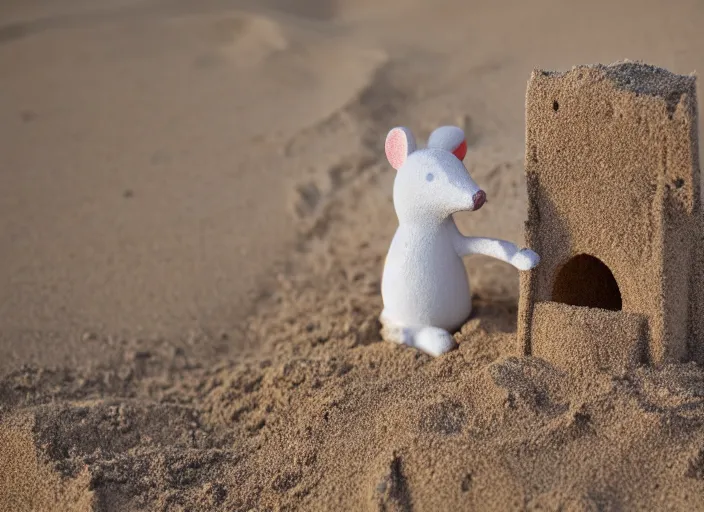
(478, 199)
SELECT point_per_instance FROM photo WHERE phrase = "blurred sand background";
(194, 199)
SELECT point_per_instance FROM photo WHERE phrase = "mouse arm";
(522, 259)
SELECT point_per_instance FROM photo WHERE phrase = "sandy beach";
(195, 207)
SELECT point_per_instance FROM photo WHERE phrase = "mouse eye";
(429, 177)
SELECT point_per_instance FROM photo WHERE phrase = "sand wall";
(613, 188)
(582, 339)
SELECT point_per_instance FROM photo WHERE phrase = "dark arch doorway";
(587, 281)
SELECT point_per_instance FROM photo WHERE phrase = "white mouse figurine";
(425, 288)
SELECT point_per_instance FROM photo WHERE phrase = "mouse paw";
(525, 259)
(434, 341)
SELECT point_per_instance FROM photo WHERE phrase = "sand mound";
(241, 38)
(327, 417)
(27, 482)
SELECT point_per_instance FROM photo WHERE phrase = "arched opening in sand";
(586, 281)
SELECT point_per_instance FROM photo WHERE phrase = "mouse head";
(432, 183)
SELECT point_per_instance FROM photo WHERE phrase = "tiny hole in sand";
(586, 281)
(555, 105)
(679, 183)
(466, 482)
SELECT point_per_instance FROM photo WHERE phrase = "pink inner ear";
(396, 148)
(461, 150)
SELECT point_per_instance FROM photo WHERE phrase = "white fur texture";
(425, 288)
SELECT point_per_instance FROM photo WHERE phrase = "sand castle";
(614, 210)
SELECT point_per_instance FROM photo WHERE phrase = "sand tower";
(614, 210)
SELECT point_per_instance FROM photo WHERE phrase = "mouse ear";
(399, 144)
(449, 138)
